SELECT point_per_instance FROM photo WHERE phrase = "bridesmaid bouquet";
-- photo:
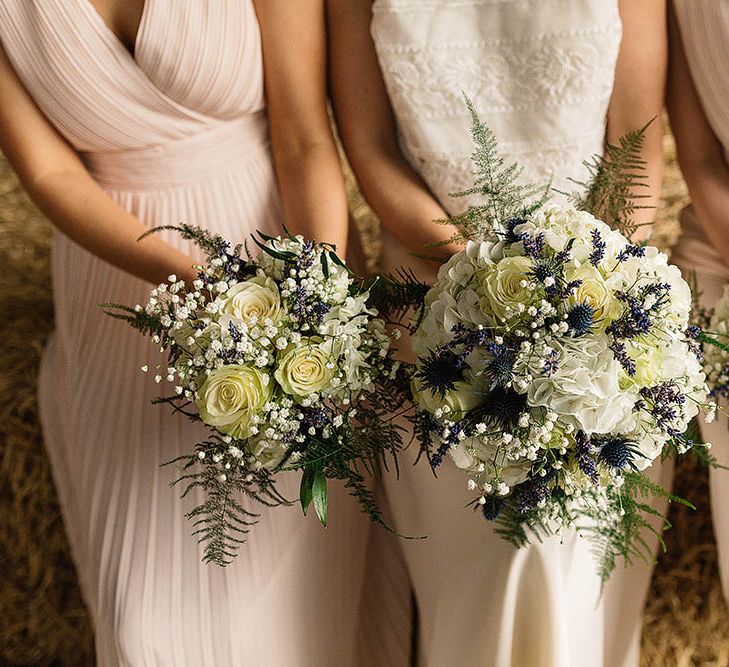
(556, 361)
(284, 360)
(716, 356)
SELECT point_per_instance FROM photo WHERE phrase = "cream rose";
(648, 366)
(501, 285)
(254, 300)
(305, 369)
(596, 293)
(231, 396)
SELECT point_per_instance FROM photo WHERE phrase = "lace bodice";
(540, 73)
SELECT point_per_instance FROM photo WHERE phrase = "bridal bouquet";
(284, 360)
(556, 361)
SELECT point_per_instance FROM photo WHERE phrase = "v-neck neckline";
(111, 36)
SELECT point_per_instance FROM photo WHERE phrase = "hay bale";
(44, 621)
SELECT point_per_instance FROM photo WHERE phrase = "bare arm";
(305, 155)
(700, 153)
(60, 185)
(369, 132)
(639, 93)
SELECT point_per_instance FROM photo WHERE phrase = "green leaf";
(266, 237)
(325, 265)
(320, 497)
(284, 255)
(306, 491)
(289, 235)
(336, 259)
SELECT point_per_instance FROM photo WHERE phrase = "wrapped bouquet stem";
(284, 359)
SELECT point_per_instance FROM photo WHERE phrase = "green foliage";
(397, 296)
(617, 520)
(137, 319)
(213, 245)
(497, 183)
(612, 191)
(222, 520)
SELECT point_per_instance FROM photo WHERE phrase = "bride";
(554, 80)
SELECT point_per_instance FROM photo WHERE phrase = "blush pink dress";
(704, 31)
(174, 133)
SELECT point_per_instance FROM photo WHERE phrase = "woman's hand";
(369, 133)
(305, 154)
(56, 179)
(638, 96)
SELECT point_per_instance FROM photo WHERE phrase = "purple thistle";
(440, 372)
(580, 319)
(618, 452)
(492, 508)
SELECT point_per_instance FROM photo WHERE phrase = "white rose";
(461, 399)
(595, 292)
(304, 370)
(500, 286)
(254, 300)
(585, 387)
(230, 396)
(268, 454)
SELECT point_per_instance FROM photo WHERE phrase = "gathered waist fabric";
(182, 161)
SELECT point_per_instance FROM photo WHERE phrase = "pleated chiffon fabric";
(175, 132)
(704, 28)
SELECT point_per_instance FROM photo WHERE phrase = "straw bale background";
(43, 620)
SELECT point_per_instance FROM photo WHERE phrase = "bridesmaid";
(698, 104)
(553, 79)
(119, 115)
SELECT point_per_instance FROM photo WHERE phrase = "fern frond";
(221, 522)
(137, 319)
(615, 178)
(397, 296)
(498, 184)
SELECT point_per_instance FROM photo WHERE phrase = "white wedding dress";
(540, 73)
